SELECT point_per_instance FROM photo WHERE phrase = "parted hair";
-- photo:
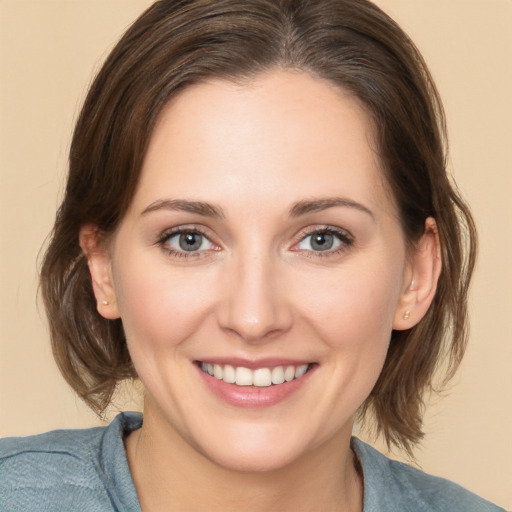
(177, 43)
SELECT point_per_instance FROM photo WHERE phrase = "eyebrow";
(317, 205)
(198, 207)
(209, 210)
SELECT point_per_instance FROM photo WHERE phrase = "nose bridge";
(255, 307)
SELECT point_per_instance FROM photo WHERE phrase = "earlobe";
(421, 279)
(98, 260)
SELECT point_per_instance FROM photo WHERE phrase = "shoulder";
(55, 452)
(390, 485)
(64, 467)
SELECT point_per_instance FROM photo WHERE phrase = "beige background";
(48, 52)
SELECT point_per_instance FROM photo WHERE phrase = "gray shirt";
(87, 470)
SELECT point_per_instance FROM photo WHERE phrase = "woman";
(258, 225)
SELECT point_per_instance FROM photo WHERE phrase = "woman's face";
(261, 239)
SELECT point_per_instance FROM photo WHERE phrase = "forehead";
(283, 135)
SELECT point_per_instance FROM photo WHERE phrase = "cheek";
(352, 305)
(351, 312)
(159, 308)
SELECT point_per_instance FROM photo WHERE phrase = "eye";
(324, 240)
(183, 241)
(188, 241)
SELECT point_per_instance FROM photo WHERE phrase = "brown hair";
(176, 43)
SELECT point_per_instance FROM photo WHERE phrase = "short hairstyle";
(177, 43)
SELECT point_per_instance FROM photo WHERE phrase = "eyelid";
(175, 230)
(344, 236)
(166, 234)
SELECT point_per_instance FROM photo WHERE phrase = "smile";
(259, 377)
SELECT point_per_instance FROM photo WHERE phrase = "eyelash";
(346, 241)
(167, 235)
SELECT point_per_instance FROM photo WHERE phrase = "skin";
(258, 288)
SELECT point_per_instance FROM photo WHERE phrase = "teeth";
(261, 377)
(217, 371)
(300, 371)
(229, 375)
(289, 373)
(243, 376)
(278, 375)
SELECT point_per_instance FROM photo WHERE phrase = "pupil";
(322, 241)
(190, 241)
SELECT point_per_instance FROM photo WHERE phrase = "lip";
(252, 396)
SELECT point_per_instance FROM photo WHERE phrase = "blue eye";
(323, 240)
(187, 241)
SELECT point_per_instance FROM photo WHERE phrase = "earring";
(407, 314)
(104, 302)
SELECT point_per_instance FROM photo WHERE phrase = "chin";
(246, 447)
(254, 457)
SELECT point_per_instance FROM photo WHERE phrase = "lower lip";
(253, 396)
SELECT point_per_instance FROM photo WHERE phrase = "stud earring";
(407, 314)
(104, 302)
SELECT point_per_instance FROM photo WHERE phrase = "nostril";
(252, 307)
(255, 335)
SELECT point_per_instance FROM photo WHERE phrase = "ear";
(420, 279)
(98, 259)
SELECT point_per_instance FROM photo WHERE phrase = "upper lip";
(254, 364)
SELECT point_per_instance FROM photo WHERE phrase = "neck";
(169, 475)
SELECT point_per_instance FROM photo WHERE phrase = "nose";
(255, 305)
